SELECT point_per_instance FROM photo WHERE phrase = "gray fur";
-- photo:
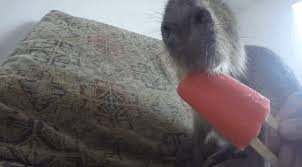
(202, 35)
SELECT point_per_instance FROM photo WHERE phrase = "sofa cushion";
(81, 93)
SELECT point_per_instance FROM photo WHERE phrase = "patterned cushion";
(81, 93)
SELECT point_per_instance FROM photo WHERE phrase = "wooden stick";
(273, 122)
(265, 152)
(259, 147)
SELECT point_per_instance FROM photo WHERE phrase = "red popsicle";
(233, 109)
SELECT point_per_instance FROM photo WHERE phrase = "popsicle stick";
(273, 122)
(259, 147)
(265, 152)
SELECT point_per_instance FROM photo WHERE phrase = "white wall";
(269, 23)
(264, 22)
(297, 37)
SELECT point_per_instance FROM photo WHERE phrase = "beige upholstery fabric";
(81, 93)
